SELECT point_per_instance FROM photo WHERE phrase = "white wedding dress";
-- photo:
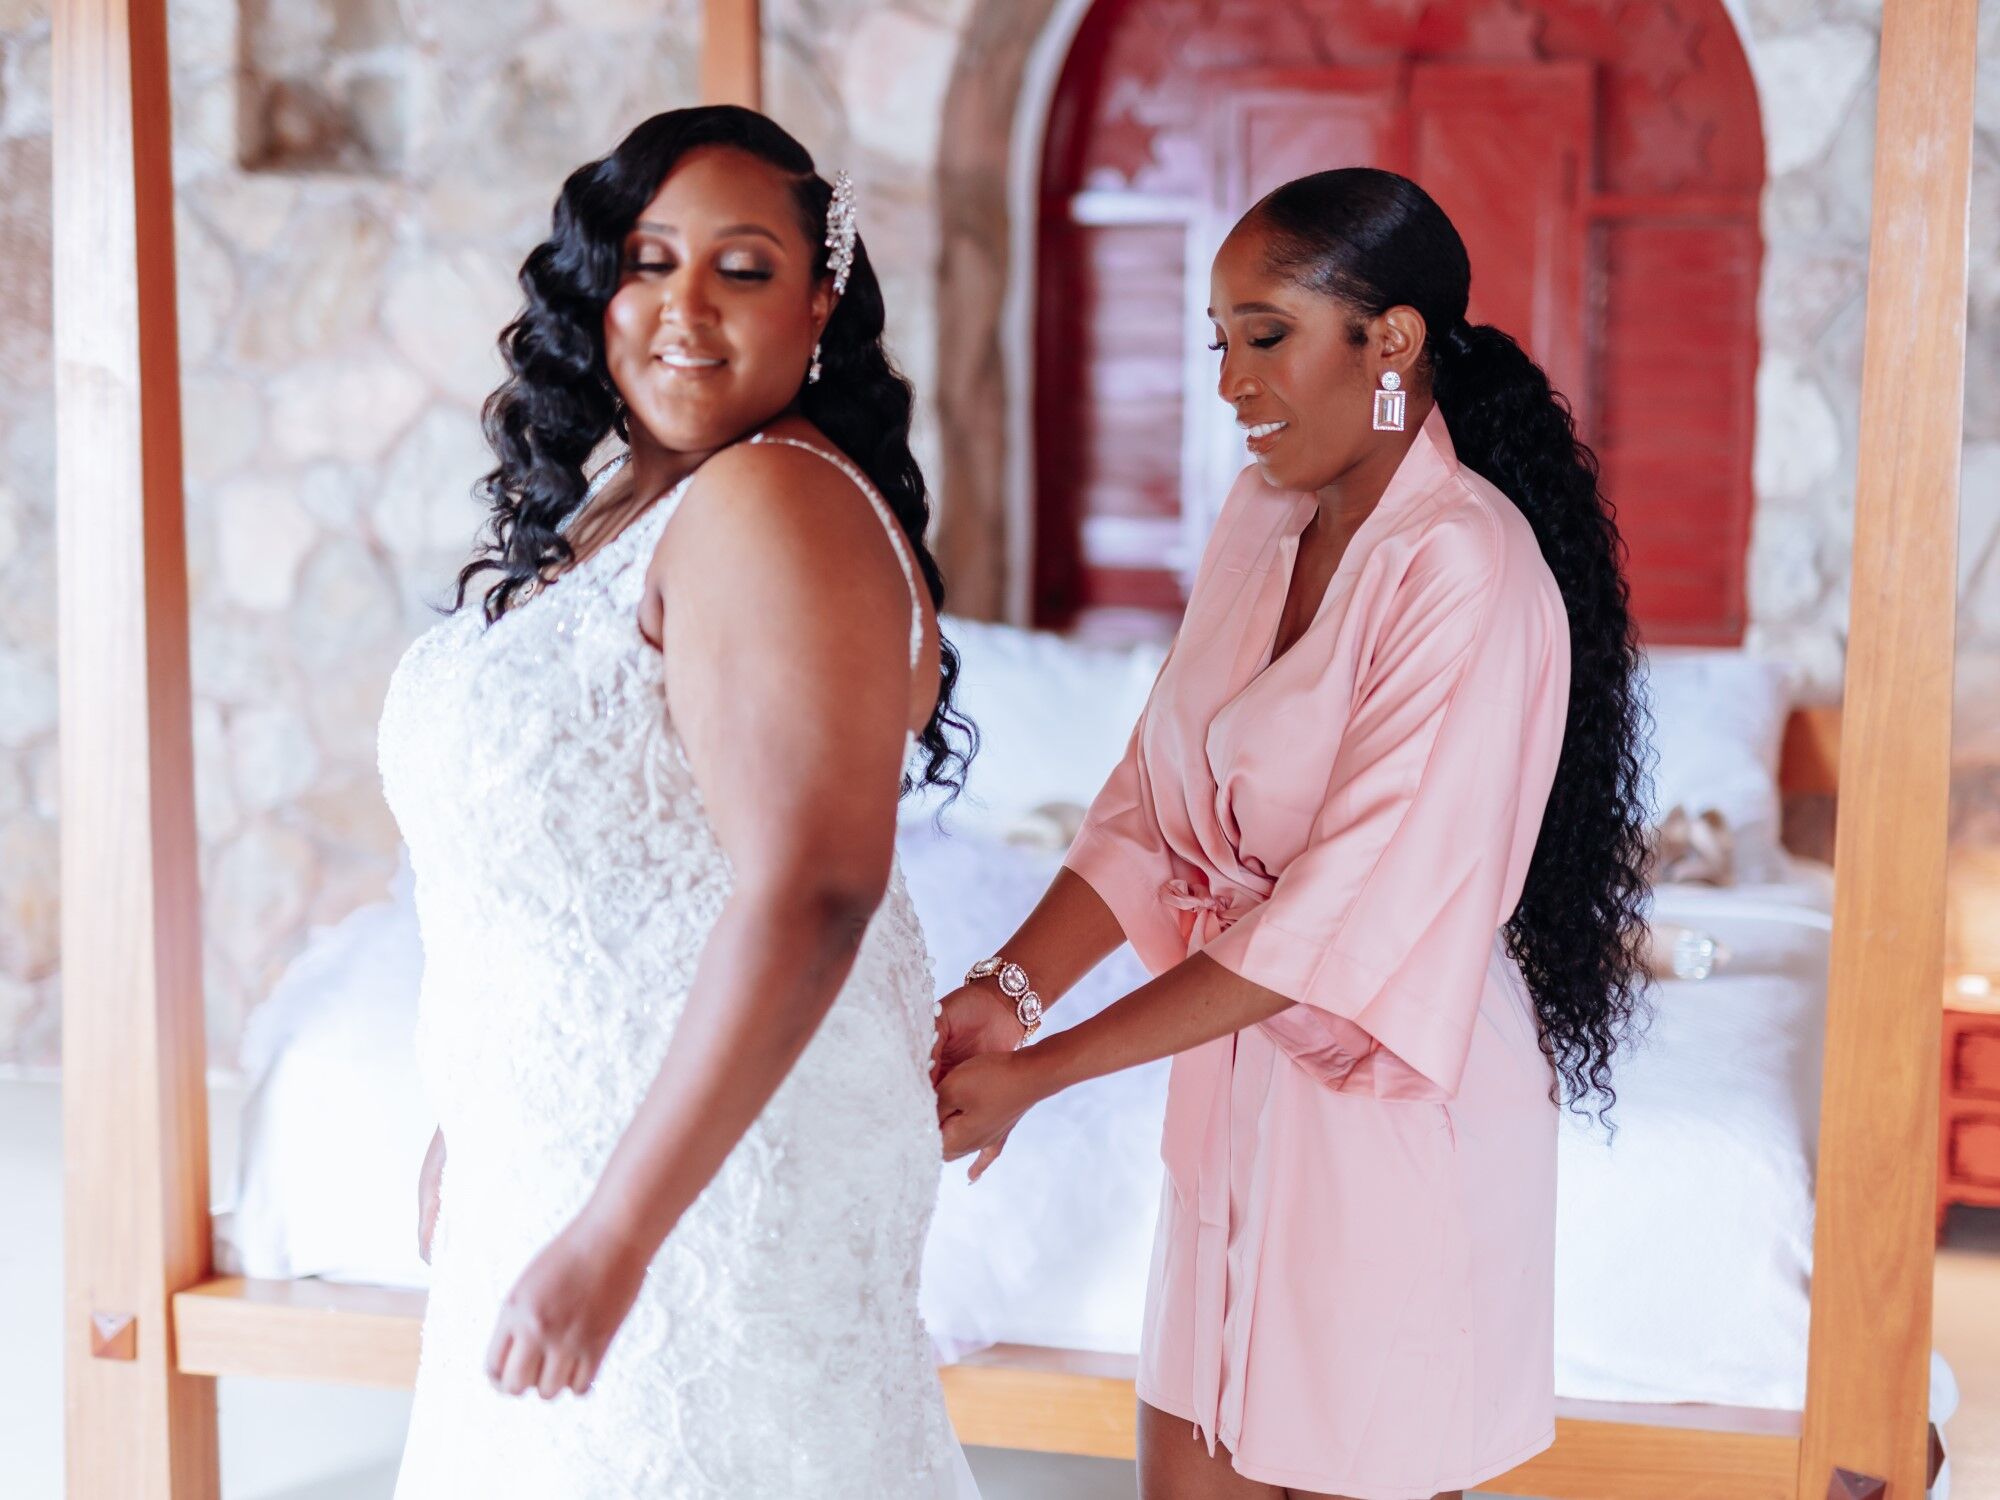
(566, 881)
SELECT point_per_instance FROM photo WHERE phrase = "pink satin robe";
(1352, 1276)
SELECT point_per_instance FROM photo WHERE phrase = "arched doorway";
(1603, 159)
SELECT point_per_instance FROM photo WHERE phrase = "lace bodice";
(566, 882)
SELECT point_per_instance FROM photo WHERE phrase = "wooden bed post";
(1868, 1372)
(732, 69)
(135, 1123)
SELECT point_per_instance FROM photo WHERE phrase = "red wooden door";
(1109, 404)
(1604, 166)
(1274, 125)
(1505, 150)
(1502, 147)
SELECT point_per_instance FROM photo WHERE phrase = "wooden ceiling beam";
(732, 69)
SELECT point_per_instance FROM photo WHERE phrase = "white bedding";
(1684, 1243)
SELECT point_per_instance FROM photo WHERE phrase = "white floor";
(285, 1441)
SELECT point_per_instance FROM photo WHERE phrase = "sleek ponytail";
(1374, 240)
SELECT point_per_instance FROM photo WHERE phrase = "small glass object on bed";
(1677, 952)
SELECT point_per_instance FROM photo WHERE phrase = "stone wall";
(339, 302)
(1815, 63)
(862, 83)
(1976, 776)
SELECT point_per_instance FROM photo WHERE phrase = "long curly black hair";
(1374, 240)
(559, 402)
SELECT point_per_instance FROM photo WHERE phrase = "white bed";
(1684, 1243)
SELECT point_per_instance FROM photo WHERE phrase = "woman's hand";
(975, 1019)
(428, 1177)
(981, 1100)
(559, 1319)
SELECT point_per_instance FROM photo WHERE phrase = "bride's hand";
(559, 1319)
(975, 1019)
(981, 1100)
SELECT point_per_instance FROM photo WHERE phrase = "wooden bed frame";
(148, 1326)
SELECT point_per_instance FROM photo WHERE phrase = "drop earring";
(1389, 403)
(812, 372)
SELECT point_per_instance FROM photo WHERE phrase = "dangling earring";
(1389, 403)
(812, 374)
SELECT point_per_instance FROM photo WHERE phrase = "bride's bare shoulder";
(774, 505)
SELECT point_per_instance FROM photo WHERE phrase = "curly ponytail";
(1374, 241)
(1510, 426)
(559, 403)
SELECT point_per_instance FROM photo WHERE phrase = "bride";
(676, 1015)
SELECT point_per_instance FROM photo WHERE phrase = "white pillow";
(1054, 717)
(336, 1124)
(1718, 727)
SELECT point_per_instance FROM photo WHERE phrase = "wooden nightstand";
(1969, 1097)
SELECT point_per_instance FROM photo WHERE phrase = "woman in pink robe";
(1349, 823)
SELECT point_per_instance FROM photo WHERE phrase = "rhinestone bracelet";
(1014, 985)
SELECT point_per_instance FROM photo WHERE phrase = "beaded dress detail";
(567, 879)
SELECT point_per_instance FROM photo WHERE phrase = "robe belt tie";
(1220, 908)
(1195, 1146)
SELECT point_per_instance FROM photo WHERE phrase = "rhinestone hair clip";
(841, 231)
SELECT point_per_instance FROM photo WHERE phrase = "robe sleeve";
(1382, 928)
(1121, 851)
(1122, 854)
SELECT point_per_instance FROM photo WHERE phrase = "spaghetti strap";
(888, 519)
